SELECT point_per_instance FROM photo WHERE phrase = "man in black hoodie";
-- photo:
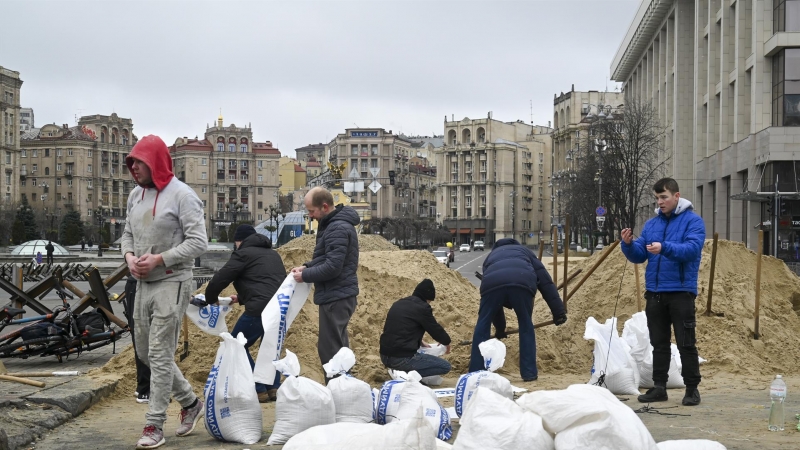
(256, 271)
(332, 269)
(407, 321)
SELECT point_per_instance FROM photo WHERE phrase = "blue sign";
(600, 211)
(364, 133)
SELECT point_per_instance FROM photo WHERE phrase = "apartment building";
(292, 175)
(26, 120)
(722, 75)
(403, 189)
(492, 180)
(10, 85)
(236, 178)
(79, 168)
(310, 152)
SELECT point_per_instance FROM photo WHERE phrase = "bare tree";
(625, 152)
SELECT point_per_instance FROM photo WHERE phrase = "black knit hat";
(243, 231)
(425, 290)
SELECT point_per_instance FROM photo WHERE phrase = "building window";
(203, 161)
(220, 147)
(69, 182)
(203, 176)
(8, 179)
(260, 164)
(88, 168)
(786, 15)
(69, 152)
(8, 157)
(58, 181)
(260, 191)
(243, 148)
(786, 88)
(47, 153)
(244, 164)
(58, 152)
(88, 154)
(47, 171)
(89, 184)
(24, 153)
(34, 153)
(232, 148)
(260, 178)
(58, 167)
(34, 168)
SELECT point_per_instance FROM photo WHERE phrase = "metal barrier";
(794, 267)
(199, 281)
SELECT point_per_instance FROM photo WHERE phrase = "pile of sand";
(386, 274)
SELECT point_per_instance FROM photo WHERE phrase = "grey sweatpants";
(159, 308)
(333, 320)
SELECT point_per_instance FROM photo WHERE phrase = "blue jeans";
(425, 365)
(253, 330)
(521, 300)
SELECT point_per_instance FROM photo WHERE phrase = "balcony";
(23, 173)
(68, 173)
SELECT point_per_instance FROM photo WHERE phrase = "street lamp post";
(275, 214)
(604, 114)
(100, 214)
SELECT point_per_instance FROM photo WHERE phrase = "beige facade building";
(492, 179)
(369, 150)
(723, 75)
(10, 85)
(236, 178)
(292, 175)
(79, 168)
(315, 152)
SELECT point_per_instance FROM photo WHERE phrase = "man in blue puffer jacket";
(672, 244)
(512, 274)
(332, 269)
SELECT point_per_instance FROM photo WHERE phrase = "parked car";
(442, 257)
(464, 248)
(477, 245)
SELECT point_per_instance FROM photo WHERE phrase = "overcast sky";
(302, 71)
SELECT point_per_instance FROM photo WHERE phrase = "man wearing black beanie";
(407, 321)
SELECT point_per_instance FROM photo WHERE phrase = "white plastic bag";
(637, 335)
(232, 411)
(210, 318)
(612, 358)
(588, 417)
(494, 421)
(415, 433)
(352, 397)
(276, 318)
(415, 394)
(433, 350)
(494, 355)
(302, 403)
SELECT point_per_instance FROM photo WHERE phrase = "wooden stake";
(638, 289)
(40, 384)
(555, 255)
(566, 257)
(711, 276)
(602, 258)
(541, 249)
(758, 281)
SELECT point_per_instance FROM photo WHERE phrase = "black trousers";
(50, 259)
(142, 369)
(667, 312)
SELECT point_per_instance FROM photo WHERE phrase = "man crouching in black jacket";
(256, 271)
(408, 320)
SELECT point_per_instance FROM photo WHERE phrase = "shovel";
(185, 352)
(3, 376)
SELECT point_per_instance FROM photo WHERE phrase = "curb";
(28, 417)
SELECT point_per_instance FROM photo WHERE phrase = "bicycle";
(64, 336)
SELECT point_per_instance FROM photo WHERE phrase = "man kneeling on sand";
(407, 321)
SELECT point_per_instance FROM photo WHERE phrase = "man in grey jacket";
(332, 269)
(164, 233)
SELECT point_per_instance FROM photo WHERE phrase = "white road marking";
(471, 260)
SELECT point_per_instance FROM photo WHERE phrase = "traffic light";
(784, 207)
(391, 177)
(770, 205)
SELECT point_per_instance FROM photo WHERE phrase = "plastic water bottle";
(777, 392)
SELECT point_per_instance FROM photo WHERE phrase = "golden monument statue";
(337, 172)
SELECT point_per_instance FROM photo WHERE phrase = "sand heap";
(387, 274)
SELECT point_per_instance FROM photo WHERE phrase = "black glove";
(560, 320)
(200, 303)
(501, 334)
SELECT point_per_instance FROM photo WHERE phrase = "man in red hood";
(164, 233)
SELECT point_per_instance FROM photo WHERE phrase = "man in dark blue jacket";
(332, 269)
(512, 274)
(672, 244)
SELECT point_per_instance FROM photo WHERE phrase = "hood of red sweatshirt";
(154, 152)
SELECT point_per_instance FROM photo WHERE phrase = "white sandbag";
(691, 444)
(352, 397)
(414, 433)
(388, 400)
(210, 318)
(588, 417)
(494, 355)
(612, 358)
(637, 335)
(494, 421)
(232, 411)
(414, 395)
(433, 350)
(302, 403)
(276, 318)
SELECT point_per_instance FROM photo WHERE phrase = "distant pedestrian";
(49, 248)
(38, 257)
(83, 245)
(90, 243)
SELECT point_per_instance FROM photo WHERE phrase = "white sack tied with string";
(613, 368)
(276, 318)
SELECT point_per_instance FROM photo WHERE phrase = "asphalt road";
(467, 263)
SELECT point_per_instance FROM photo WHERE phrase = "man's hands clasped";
(141, 266)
